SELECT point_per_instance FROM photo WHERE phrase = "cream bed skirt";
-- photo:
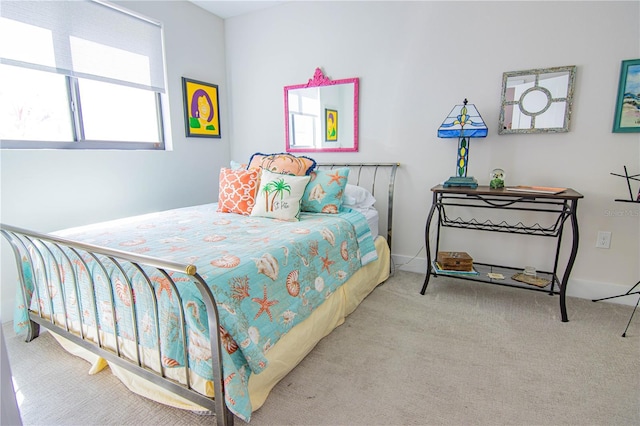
(282, 357)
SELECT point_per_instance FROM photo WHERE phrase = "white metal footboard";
(60, 279)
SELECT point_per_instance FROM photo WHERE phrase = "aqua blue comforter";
(266, 275)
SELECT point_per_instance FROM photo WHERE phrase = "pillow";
(324, 191)
(279, 195)
(237, 190)
(235, 165)
(357, 196)
(282, 163)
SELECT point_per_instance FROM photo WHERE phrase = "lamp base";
(457, 181)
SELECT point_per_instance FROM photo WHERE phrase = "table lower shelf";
(483, 269)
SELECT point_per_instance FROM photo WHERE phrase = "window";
(304, 120)
(84, 75)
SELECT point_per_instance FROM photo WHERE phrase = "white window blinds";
(85, 39)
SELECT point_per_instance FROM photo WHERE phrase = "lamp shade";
(464, 121)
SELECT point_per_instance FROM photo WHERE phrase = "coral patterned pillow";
(324, 191)
(282, 163)
(279, 196)
(237, 191)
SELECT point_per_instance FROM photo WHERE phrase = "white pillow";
(234, 165)
(357, 196)
(279, 195)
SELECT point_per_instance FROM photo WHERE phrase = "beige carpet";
(463, 354)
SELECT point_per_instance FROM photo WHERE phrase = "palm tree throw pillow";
(279, 196)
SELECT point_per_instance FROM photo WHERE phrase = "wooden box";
(455, 261)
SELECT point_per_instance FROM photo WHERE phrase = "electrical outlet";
(604, 239)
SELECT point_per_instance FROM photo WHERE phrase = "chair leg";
(631, 291)
(624, 334)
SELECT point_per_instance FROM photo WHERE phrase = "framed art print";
(201, 109)
(627, 118)
(331, 124)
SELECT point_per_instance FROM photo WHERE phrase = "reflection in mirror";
(537, 101)
(322, 115)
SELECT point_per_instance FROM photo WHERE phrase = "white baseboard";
(583, 289)
(406, 263)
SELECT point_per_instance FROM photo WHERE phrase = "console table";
(560, 206)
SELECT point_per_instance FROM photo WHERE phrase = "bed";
(140, 294)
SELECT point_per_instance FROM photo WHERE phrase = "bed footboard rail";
(65, 276)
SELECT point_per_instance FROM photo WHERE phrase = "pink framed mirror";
(322, 115)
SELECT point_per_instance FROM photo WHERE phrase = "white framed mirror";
(322, 115)
(537, 100)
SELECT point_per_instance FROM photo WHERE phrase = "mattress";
(373, 219)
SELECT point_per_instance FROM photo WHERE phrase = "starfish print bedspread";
(266, 276)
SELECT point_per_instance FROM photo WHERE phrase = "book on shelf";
(536, 189)
(439, 270)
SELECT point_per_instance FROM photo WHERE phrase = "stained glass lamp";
(463, 122)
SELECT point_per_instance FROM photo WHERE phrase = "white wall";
(415, 61)
(49, 190)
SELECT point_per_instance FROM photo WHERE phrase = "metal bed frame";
(33, 247)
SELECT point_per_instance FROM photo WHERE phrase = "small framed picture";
(201, 109)
(627, 117)
(331, 124)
